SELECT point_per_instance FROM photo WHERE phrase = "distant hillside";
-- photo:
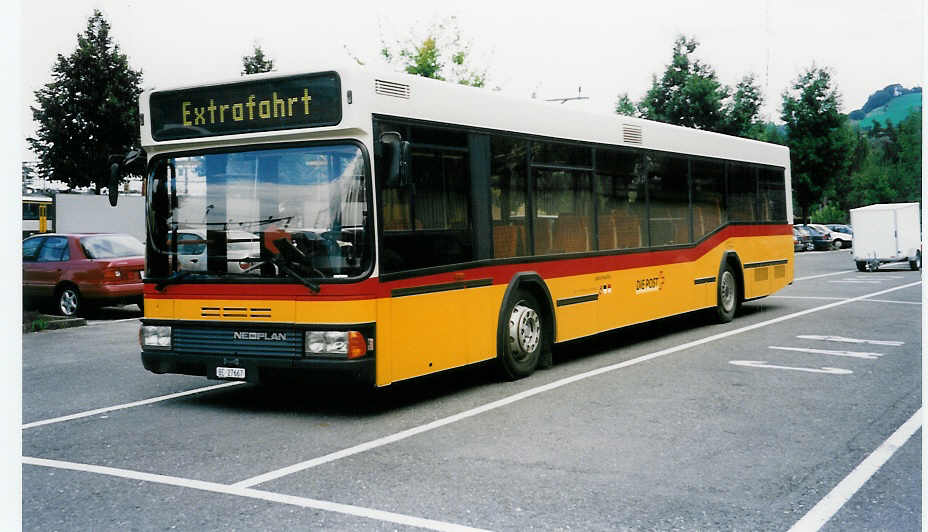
(892, 103)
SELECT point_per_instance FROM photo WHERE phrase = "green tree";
(820, 141)
(624, 106)
(908, 167)
(689, 92)
(88, 111)
(739, 115)
(769, 132)
(441, 53)
(257, 62)
(829, 213)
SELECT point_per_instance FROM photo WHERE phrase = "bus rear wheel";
(523, 337)
(916, 264)
(727, 292)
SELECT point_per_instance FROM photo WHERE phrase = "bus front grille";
(239, 341)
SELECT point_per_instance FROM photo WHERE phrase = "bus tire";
(523, 337)
(916, 264)
(727, 295)
(861, 266)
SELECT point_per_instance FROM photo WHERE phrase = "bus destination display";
(263, 105)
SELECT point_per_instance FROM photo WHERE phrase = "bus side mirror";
(112, 184)
(397, 152)
(117, 163)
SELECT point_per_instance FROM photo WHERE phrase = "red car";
(78, 271)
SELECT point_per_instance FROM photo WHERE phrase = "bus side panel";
(576, 306)
(765, 280)
(483, 306)
(384, 345)
(430, 332)
(426, 333)
(641, 294)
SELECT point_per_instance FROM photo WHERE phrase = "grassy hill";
(894, 110)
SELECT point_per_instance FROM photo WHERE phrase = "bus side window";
(507, 196)
(620, 199)
(708, 197)
(428, 222)
(668, 200)
(742, 192)
(773, 201)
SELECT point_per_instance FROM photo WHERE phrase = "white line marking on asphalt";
(891, 343)
(392, 438)
(895, 302)
(822, 275)
(128, 405)
(826, 508)
(851, 354)
(827, 298)
(226, 489)
(856, 281)
(106, 322)
(764, 364)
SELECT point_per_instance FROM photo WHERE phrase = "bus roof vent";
(391, 88)
(631, 134)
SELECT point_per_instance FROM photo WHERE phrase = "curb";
(55, 322)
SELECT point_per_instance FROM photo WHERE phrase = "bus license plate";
(230, 373)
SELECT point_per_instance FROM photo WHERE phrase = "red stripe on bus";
(501, 274)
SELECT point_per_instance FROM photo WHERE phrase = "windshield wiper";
(281, 263)
(290, 254)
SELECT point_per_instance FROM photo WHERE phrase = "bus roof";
(414, 97)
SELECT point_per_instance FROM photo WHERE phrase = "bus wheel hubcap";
(727, 289)
(524, 331)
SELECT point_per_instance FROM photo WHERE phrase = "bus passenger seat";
(505, 241)
(607, 232)
(571, 234)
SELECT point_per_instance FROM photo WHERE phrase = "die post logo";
(650, 284)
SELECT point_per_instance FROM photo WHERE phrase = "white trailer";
(887, 232)
(85, 213)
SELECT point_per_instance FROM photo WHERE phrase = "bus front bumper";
(257, 368)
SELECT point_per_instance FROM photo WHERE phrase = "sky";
(551, 49)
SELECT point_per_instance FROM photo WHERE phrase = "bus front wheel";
(523, 337)
(727, 302)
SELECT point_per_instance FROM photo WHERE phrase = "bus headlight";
(155, 336)
(343, 344)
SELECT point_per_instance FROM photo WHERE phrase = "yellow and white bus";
(393, 226)
(38, 214)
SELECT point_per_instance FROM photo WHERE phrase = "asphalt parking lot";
(803, 412)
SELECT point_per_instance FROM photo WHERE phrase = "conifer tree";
(88, 111)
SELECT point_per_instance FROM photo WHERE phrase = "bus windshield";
(298, 212)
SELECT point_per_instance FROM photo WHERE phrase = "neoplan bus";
(397, 226)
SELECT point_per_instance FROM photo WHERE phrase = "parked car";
(836, 241)
(820, 240)
(77, 271)
(243, 251)
(801, 240)
(842, 234)
(805, 237)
